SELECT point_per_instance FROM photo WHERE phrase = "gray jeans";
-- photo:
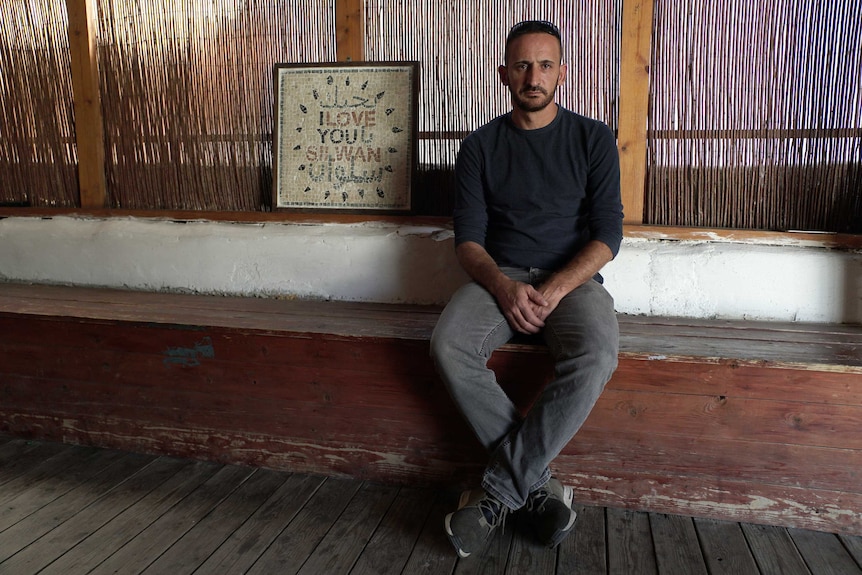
(582, 335)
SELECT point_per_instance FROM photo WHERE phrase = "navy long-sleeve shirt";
(534, 198)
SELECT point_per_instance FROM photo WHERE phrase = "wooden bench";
(746, 421)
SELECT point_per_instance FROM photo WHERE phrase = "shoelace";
(493, 511)
(538, 498)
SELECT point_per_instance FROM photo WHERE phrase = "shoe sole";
(560, 534)
(465, 497)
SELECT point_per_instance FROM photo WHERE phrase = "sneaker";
(549, 512)
(470, 527)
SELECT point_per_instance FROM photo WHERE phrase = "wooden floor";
(71, 509)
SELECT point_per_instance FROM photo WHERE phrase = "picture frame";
(345, 137)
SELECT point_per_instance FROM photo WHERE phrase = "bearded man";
(538, 214)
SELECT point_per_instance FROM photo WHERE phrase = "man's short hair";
(533, 27)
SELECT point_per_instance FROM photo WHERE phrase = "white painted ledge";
(393, 263)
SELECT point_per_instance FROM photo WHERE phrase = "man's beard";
(532, 105)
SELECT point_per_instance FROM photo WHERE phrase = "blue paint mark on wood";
(190, 356)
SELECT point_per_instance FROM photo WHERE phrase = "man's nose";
(531, 75)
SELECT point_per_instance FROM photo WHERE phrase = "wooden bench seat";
(746, 421)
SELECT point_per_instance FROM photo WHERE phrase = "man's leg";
(470, 328)
(582, 334)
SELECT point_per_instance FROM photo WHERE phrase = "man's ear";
(562, 78)
(504, 75)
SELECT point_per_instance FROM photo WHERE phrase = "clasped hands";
(525, 306)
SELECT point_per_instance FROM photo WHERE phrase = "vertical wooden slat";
(634, 104)
(89, 130)
(350, 30)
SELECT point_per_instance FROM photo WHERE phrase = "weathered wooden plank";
(132, 520)
(433, 554)
(853, 544)
(720, 417)
(584, 552)
(115, 514)
(527, 555)
(361, 460)
(724, 547)
(823, 553)
(160, 535)
(732, 379)
(694, 446)
(207, 535)
(54, 476)
(34, 511)
(703, 459)
(634, 105)
(351, 532)
(393, 542)
(717, 498)
(776, 421)
(12, 448)
(19, 455)
(271, 397)
(826, 343)
(350, 30)
(774, 550)
(630, 539)
(736, 329)
(239, 552)
(677, 549)
(305, 531)
(48, 533)
(713, 480)
(105, 303)
(89, 128)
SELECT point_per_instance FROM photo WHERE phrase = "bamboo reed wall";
(38, 163)
(755, 108)
(756, 115)
(188, 97)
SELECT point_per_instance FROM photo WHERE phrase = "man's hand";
(523, 306)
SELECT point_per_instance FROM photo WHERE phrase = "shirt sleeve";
(470, 216)
(606, 209)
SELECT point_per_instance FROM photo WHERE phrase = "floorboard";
(676, 546)
(78, 510)
(724, 547)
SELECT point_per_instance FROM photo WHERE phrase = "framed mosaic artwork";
(345, 136)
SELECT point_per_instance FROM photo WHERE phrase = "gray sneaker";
(470, 527)
(549, 512)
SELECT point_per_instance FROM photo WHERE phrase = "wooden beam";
(89, 130)
(350, 30)
(634, 105)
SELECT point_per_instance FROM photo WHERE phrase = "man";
(538, 214)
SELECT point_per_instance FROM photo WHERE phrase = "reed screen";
(756, 115)
(188, 98)
(38, 157)
(755, 108)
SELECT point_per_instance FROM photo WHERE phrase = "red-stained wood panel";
(744, 421)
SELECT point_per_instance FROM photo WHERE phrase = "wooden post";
(89, 130)
(634, 105)
(350, 30)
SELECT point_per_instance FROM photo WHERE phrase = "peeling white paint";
(391, 263)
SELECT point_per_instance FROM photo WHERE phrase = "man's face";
(533, 71)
